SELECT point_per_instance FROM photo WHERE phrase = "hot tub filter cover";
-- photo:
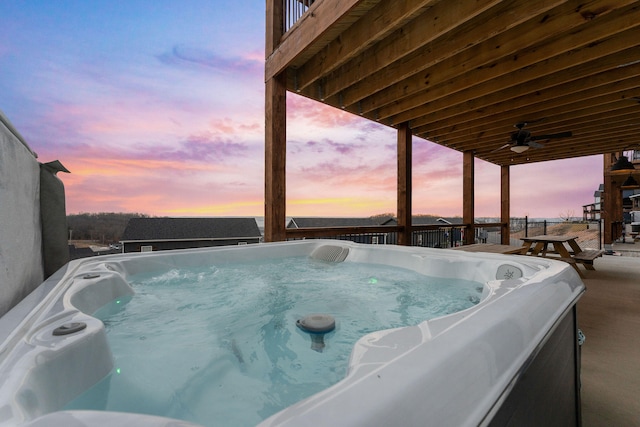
(317, 323)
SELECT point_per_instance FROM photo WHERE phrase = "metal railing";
(293, 11)
(431, 236)
(589, 232)
(448, 236)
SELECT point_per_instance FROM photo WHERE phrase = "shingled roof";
(303, 222)
(154, 229)
(430, 220)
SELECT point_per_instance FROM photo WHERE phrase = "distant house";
(85, 252)
(157, 234)
(77, 253)
(376, 238)
(591, 212)
(303, 222)
(441, 238)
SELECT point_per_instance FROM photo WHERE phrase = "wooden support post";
(468, 202)
(612, 211)
(404, 184)
(505, 205)
(275, 133)
(606, 207)
(275, 159)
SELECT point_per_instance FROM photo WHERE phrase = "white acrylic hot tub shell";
(447, 371)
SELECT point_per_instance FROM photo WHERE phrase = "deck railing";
(448, 236)
(293, 11)
(431, 236)
(536, 228)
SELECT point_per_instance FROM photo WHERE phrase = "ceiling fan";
(521, 140)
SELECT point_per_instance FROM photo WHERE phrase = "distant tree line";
(102, 227)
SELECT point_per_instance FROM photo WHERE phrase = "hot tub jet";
(317, 325)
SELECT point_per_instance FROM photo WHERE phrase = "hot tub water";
(219, 345)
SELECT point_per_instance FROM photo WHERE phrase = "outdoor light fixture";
(622, 164)
(520, 148)
(630, 184)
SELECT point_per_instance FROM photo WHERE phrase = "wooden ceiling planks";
(463, 73)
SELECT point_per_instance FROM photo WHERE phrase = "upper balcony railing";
(293, 10)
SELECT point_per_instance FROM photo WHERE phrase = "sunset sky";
(158, 107)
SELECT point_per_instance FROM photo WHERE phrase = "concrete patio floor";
(609, 316)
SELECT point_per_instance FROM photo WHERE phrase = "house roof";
(429, 220)
(313, 222)
(153, 229)
(76, 253)
(463, 73)
(304, 222)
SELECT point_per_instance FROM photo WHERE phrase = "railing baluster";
(293, 11)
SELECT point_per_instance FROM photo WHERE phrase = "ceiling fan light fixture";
(519, 148)
(630, 184)
(622, 164)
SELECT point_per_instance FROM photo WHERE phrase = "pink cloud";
(232, 127)
(157, 187)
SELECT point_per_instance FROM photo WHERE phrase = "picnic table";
(540, 246)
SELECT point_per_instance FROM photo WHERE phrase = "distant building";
(591, 212)
(77, 253)
(85, 252)
(157, 234)
(443, 237)
(375, 238)
(303, 222)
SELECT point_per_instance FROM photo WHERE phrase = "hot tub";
(511, 359)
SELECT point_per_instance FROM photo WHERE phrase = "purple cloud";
(337, 147)
(182, 55)
(203, 147)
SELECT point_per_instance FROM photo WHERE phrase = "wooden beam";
(456, 54)
(615, 140)
(311, 26)
(551, 110)
(275, 158)
(505, 205)
(404, 184)
(439, 20)
(274, 26)
(586, 60)
(468, 197)
(583, 142)
(515, 49)
(598, 121)
(384, 18)
(483, 117)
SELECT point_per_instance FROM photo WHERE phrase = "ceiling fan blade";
(501, 148)
(534, 144)
(551, 136)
